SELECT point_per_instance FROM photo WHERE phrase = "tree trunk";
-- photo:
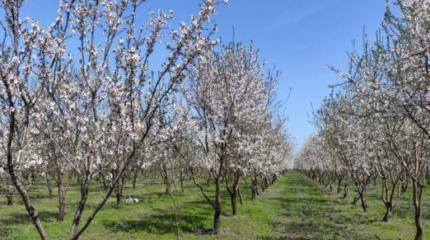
(136, 173)
(240, 196)
(79, 210)
(388, 212)
(363, 201)
(26, 199)
(33, 176)
(49, 185)
(404, 186)
(234, 203)
(217, 208)
(265, 184)
(167, 183)
(9, 199)
(118, 192)
(181, 180)
(388, 196)
(254, 189)
(61, 197)
(416, 196)
(274, 178)
(104, 182)
(339, 185)
(166, 178)
(118, 198)
(345, 191)
(233, 194)
(355, 199)
(9, 193)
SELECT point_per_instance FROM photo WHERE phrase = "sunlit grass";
(294, 208)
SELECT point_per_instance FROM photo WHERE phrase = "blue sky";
(301, 38)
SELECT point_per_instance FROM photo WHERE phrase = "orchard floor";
(293, 208)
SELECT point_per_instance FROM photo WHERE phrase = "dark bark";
(240, 196)
(9, 199)
(233, 192)
(28, 204)
(118, 192)
(355, 199)
(389, 196)
(363, 201)
(104, 182)
(345, 191)
(416, 197)
(79, 210)
(16, 182)
(339, 185)
(61, 197)
(74, 233)
(135, 175)
(265, 184)
(8, 193)
(166, 178)
(274, 178)
(33, 176)
(49, 185)
(254, 189)
(233, 201)
(217, 208)
(181, 180)
(361, 181)
(388, 212)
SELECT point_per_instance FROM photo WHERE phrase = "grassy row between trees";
(294, 208)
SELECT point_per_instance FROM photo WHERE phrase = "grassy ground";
(294, 208)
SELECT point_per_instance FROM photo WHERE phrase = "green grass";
(293, 208)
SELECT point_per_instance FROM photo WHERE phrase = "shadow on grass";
(23, 218)
(193, 217)
(159, 224)
(308, 213)
(5, 231)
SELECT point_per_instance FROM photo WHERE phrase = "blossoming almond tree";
(227, 95)
(96, 88)
(389, 81)
(214, 98)
(27, 52)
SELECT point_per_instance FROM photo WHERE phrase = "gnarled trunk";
(79, 210)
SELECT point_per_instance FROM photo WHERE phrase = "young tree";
(227, 95)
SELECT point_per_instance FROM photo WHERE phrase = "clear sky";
(300, 37)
